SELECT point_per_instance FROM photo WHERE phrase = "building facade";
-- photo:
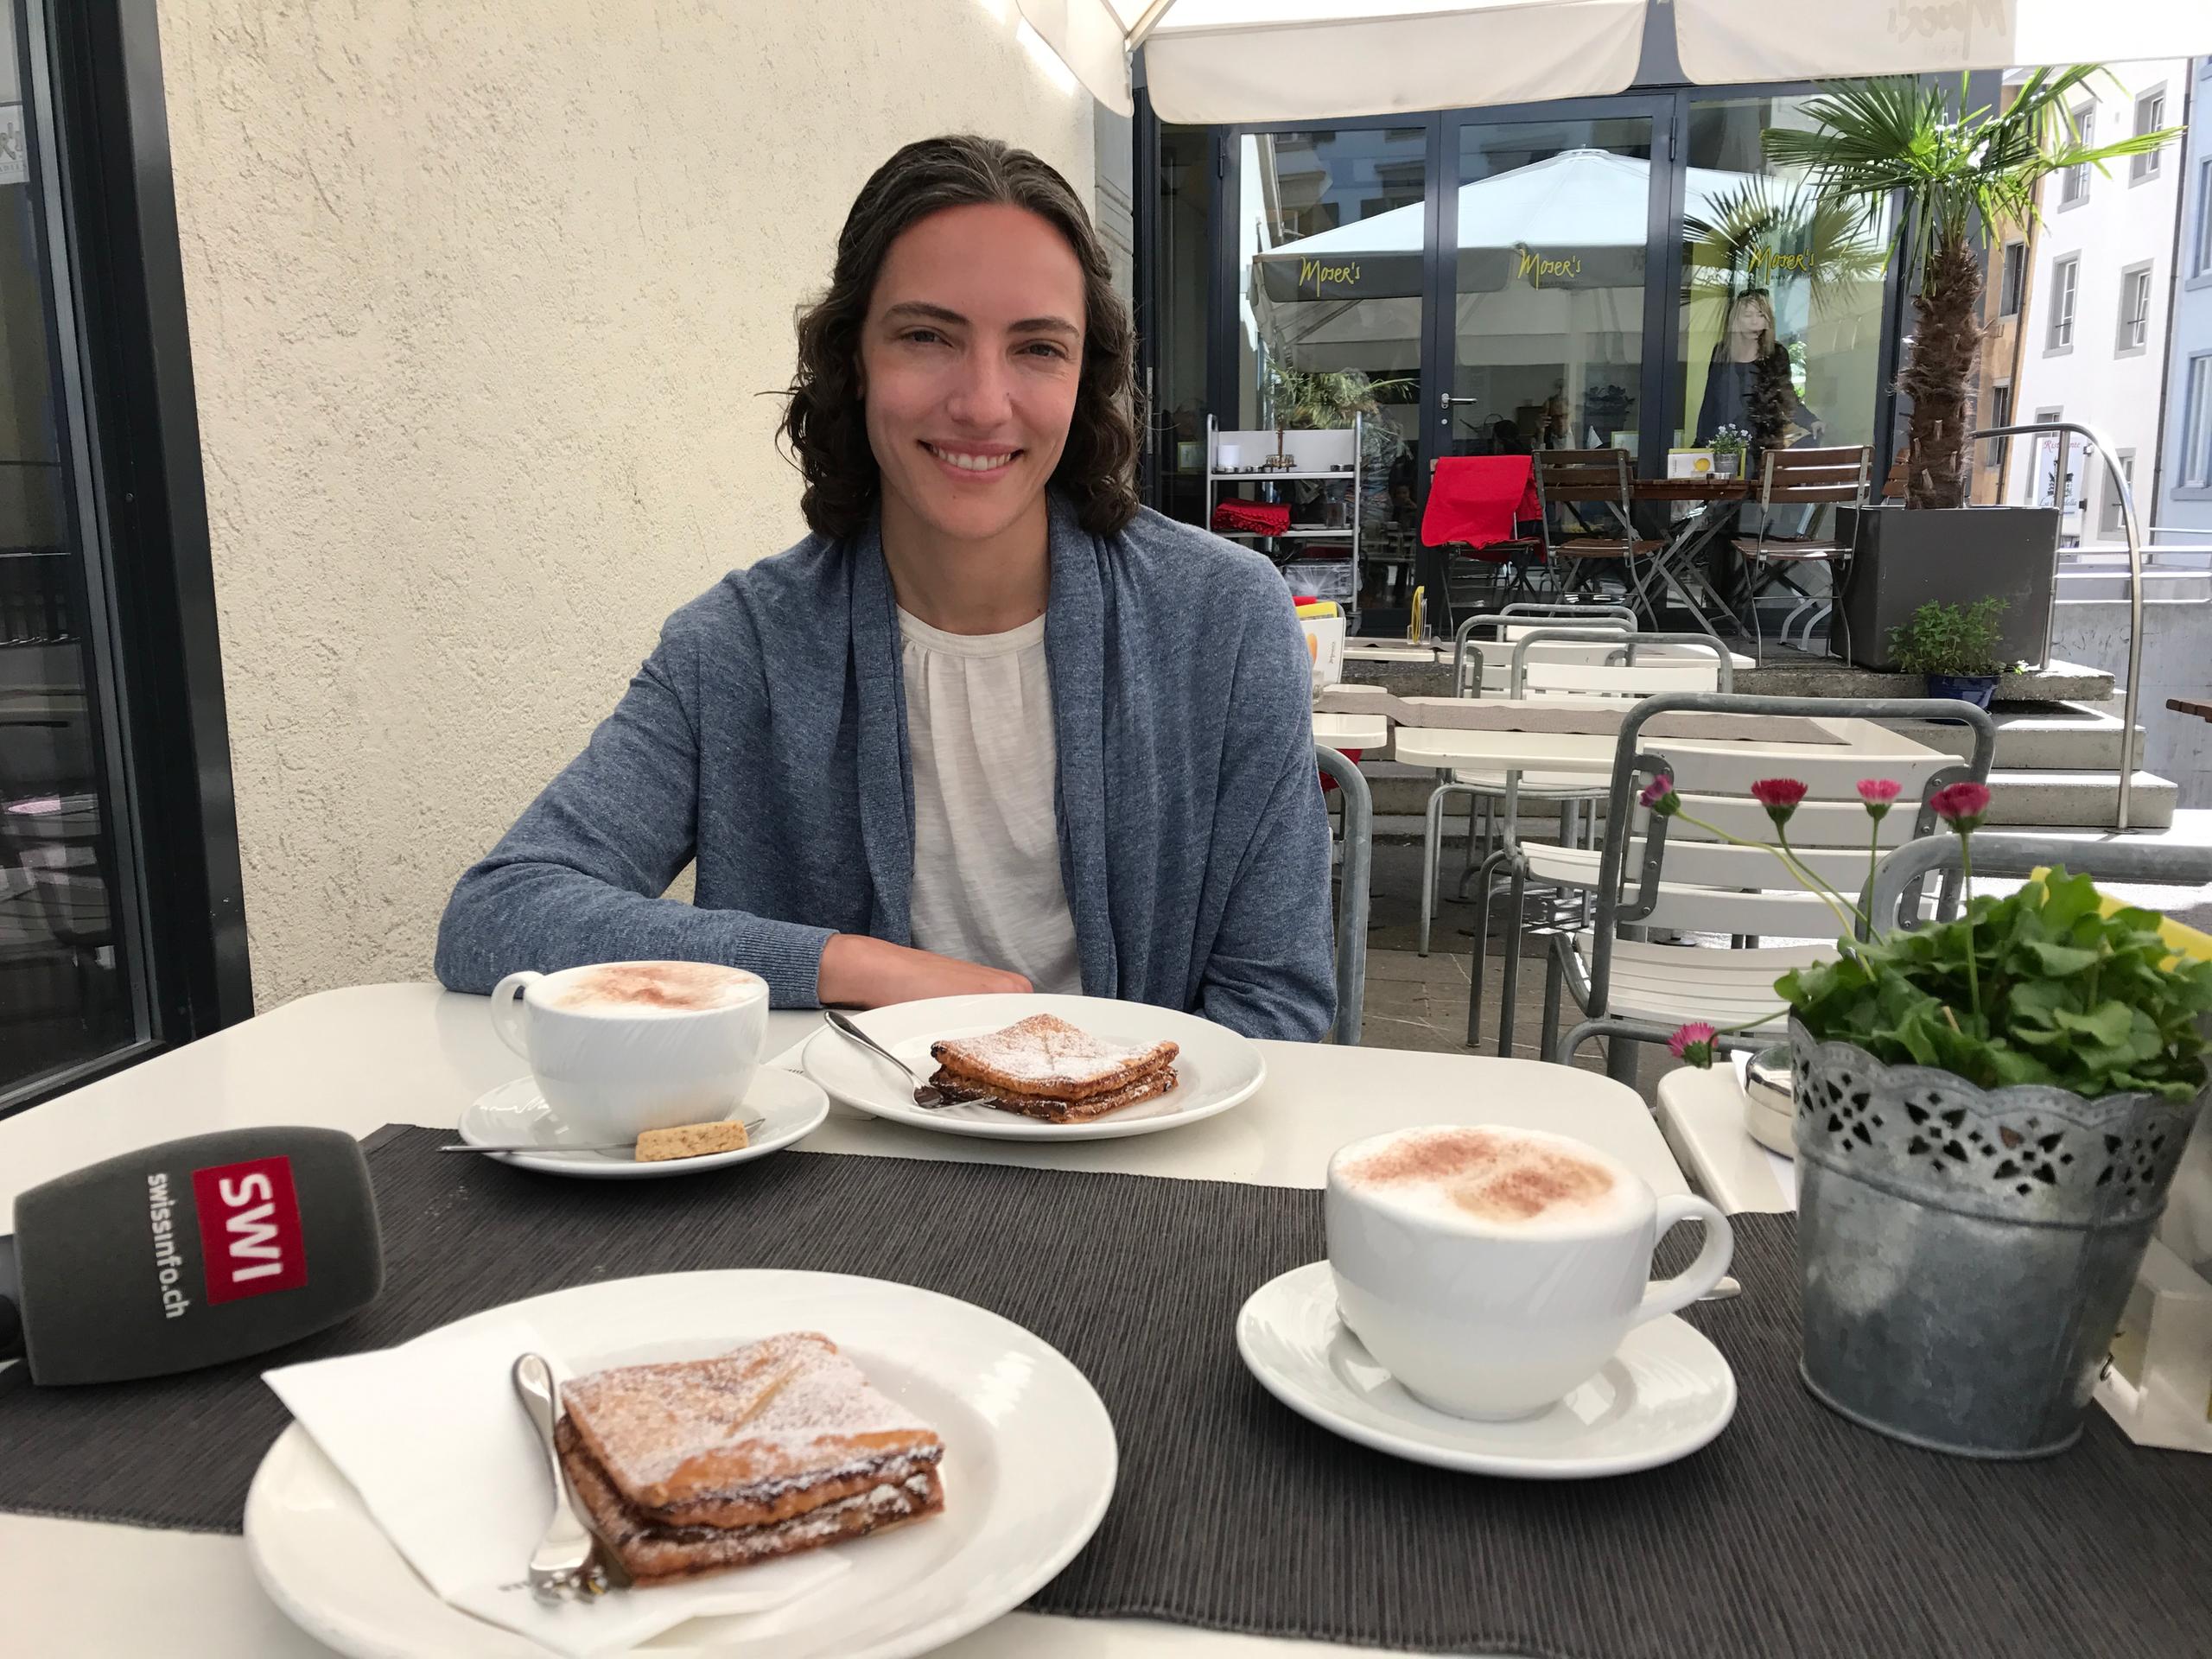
(2183, 509)
(2095, 316)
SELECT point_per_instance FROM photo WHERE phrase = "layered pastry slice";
(1045, 1068)
(778, 1446)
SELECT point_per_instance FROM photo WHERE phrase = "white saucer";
(516, 1114)
(1664, 1395)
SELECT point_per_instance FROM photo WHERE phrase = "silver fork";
(927, 1094)
(567, 1564)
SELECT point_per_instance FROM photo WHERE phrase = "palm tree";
(1954, 175)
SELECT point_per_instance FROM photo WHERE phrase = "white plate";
(516, 1114)
(1029, 1466)
(1664, 1395)
(1217, 1069)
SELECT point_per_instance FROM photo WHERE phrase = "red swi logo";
(249, 1229)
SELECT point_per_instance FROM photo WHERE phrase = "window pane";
(1329, 228)
(1548, 338)
(67, 960)
(1187, 182)
(1754, 234)
(2198, 445)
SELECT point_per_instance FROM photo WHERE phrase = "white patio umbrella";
(1252, 60)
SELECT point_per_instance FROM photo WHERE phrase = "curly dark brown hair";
(824, 425)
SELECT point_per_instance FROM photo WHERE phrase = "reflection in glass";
(64, 996)
(1330, 226)
(1553, 225)
(1781, 303)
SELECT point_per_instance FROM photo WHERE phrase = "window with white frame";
(2200, 266)
(2065, 289)
(2012, 285)
(2196, 425)
(2074, 182)
(2110, 522)
(2134, 310)
(2150, 115)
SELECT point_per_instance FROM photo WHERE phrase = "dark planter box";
(1950, 556)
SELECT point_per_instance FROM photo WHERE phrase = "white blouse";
(987, 845)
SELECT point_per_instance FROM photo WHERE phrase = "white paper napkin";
(434, 1441)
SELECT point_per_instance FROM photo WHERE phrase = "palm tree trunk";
(1939, 378)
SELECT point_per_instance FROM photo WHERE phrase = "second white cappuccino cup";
(1492, 1270)
(621, 1047)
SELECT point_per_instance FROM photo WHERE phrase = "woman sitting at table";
(993, 726)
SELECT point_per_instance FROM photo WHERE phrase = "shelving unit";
(1331, 457)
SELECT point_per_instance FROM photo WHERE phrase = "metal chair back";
(1570, 663)
(1893, 895)
(1353, 891)
(1668, 874)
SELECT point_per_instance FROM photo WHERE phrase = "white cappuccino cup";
(1492, 1270)
(621, 1047)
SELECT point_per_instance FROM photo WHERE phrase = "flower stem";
(1973, 978)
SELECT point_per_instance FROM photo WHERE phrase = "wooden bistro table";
(1675, 565)
(358, 1058)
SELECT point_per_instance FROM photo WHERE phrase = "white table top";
(375, 1054)
(1702, 1114)
(1342, 731)
(1592, 753)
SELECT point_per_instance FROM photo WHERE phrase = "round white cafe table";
(376, 1054)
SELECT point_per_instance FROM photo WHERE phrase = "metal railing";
(2131, 693)
(1352, 897)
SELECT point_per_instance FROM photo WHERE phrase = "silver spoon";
(927, 1094)
(753, 1126)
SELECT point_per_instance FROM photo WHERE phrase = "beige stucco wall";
(482, 299)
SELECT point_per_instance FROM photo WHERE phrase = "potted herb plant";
(1729, 444)
(1957, 646)
(1956, 173)
(1988, 1113)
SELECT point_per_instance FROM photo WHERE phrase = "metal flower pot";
(1967, 1252)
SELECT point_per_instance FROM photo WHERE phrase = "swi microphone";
(188, 1254)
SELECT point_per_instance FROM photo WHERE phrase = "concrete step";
(2021, 800)
(2103, 584)
(2037, 737)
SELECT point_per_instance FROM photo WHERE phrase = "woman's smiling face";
(970, 362)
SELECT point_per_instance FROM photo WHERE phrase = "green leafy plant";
(2041, 986)
(1731, 441)
(1952, 639)
(1956, 173)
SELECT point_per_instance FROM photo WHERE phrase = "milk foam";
(635, 991)
(1490, 1178)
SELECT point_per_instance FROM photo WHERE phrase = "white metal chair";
(1354, 881)
(1634, 670)
(1670, 876)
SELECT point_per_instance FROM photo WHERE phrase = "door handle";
(1445, 400)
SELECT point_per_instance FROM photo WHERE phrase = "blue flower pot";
(1976, 689)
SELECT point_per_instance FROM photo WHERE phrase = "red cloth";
(1352, 755)
(1476, 499)
(1255, 517)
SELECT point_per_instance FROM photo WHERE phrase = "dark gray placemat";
(1794, 1533)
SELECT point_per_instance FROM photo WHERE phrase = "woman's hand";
(859, 972)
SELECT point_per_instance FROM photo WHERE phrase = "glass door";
(1330, 229)
(1554, 281)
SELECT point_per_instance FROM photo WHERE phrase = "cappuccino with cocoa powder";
(634, 988)
(1492, 1176)
(1491, 1270)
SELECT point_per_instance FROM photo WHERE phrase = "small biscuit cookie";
(691, 1140)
